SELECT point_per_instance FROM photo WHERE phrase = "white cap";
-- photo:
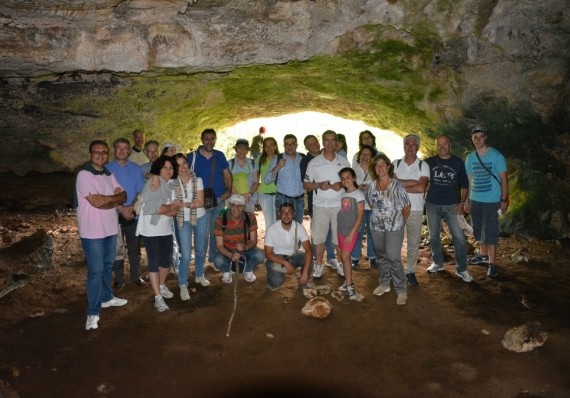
(237, 199)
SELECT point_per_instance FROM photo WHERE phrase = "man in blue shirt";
(129, 175)
(445, 198)
(212, 167)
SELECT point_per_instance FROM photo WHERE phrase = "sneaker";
(317, 271)
(202, 281)
(355, 264)
(249, 276)
(92, 322)
(433, 268)
(342, 287)
(412, 281)
(402, 298)
(492, 271)
(380, 290)
(159, 304)
(118, 285)
(352, 295)
(227, 277)
(340, 270)
(372, 262)
(333, 264)
(164, 292)
(478, 259)
(465, 276)
(114, 302)
(140, 282)
(184, 295)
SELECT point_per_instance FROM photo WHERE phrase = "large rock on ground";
(525, 338)
(29, 255)
(318, 307)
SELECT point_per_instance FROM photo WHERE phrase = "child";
(349, 219)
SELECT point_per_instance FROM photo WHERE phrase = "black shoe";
(412, 281)
(492, 271)
(146, 279)
(355, 264)
(477, 260)
(118, 285)
(140, 282)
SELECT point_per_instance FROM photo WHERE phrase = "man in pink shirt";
(98, 193)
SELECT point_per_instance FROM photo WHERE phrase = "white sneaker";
(249, 276)
(184, 295)
(402, 298)
(227, 277)
(340, 270)
(159, 304)
(164, 292)
(333, 264)
(202, 281)
(114, 302)
(433, 268)
(464, 275)
(380, 290)
(92, 322)
(317, 271)
(342, 287)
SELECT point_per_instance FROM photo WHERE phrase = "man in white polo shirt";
(322, 178)
(413, 174)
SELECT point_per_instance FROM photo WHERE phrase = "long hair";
(376, 159)
(263, 156)
(352, 173)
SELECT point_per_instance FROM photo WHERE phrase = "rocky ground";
(445, 342)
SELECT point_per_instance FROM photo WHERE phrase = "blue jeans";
(298, 203)
(275, 278)
(370, 252)
(211, 215)
(184, 237)
(253, 258)
(100, 255)
(434, 214)
(267, 203)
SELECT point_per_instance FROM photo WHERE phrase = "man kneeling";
(236, 241)
(282, 248)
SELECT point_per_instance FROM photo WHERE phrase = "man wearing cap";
(282, 240)
(413, 175)
(286, 173)
(212, 167)
(445, 197)
(137, 154)
(243, 170)
(488, 196)
(257, 143)
(236, 241)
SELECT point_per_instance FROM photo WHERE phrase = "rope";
(235, 291)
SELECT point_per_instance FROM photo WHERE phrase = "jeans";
(276, 278)
(134, 251)
(298, 203)
(388, 245)
(434, 214)
(267, 203)
(370, 252)
(184, 237)
(210, 242)
(253, 258)
(100, 255)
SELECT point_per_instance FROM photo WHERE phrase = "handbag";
(210, 199)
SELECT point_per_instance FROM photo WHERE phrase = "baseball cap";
(236, 199)
(242, 141)
(480, 128)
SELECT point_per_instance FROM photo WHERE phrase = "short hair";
(443, 136)
(98, 142)
(121, 141)
(290, 136)
(362, 134)
(286, 204)
(138, 131)
(208, 131)
(376, 159)
(329, 132)
(307, 137)
(413, 137)
(159, 164)
(150, 142)
(372, 150)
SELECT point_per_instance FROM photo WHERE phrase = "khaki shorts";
(323, 218)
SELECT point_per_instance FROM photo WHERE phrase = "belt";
(291, 197)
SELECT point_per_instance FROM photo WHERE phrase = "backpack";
(400, 160)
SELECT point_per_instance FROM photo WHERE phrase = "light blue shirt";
(289, 181)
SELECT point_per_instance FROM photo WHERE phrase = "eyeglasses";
(100, 153)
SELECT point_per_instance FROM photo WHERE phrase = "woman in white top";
(155, 227)
(189, 223)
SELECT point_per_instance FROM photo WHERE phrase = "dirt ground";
(445, 342)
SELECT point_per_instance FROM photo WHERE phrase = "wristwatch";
(504, 200)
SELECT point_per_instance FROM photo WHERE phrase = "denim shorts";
(158, 251)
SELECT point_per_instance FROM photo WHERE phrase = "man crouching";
(282, 248)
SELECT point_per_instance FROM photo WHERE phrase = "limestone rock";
(318, 307)
(525, 338)
(29, 255)
(339, 296)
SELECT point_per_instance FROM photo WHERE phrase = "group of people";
(169, 199)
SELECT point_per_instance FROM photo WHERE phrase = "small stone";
(318, 307)
(486, 332)
(323, 289)
(36, 313)
(339, 296)
(269, 335)
(310, 293)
